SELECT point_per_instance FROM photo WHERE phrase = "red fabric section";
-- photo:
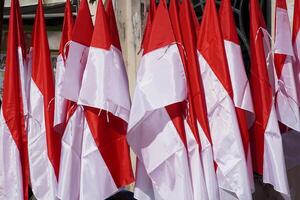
(260, 86)
(279, 60)
(227, 22)
(67, 28)
(113, 28)
(281, 4)
(101, 36)
(42, 75)
(149, 22)
(83, 27)
(243, 125)
(110, 138)
(296, 22)
(176, 113)
(12, 106)
(161, 34)
(211, 45)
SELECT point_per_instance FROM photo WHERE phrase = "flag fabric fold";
(75, 119)
(161, 83)
(286, 99)
(105, 95)
(231, 170)
(43, 142)
(241, 89)
(61, 104)
(14, 177)
(265, 137)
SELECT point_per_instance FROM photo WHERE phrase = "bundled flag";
(105, 96)
(240, 85)
(286, 98)
(71, 152)
(161, 83)
(14, 170)
(187, 127)
(197, 113)
(265, 137)
(62, 104)
(227, 145)
(43, 142)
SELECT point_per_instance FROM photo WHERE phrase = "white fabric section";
(96, 181)
(283, 42)
(70, 160)
(269, 59)
(226, 139)
(208, 166)
(160, 81)
(241, 89)
(195, 164)
(143, 186)
(291, 148)
(11, 182)
(75, 66)
(287, 103)
(60, 102)
(28, 79)
(152, 136)
(23, 81)
(297, 63)
(105, 83)
(42, 176)
(250, 170)
(274, 171)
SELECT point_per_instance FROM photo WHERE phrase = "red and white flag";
(296, 44)
(286, 98)
(265, 137)
(143, 186)
(197, 117)
(14, 170)
(43, 143)
(61, 104)
(227, 145)
(71, 151)
(240, 85)
(105, 95)
(187, 125)
(152, 134)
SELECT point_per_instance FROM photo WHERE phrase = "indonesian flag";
(296, 45)
(286, 98)
(61, 104)
(71, 152)
(152, 134)
(265, 137)
(187, 127)
(143, 186)
(13, 137)
(240, 85)
(197, 106)
(43, 142)
(105, 162)
(228, 149)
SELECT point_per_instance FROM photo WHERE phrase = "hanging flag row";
(198, 126)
